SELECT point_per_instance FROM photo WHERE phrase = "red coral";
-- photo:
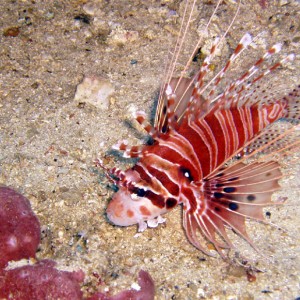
(19, 227)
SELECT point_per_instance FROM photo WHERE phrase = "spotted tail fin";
(229, 197)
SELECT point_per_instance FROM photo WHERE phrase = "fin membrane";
(229, 197)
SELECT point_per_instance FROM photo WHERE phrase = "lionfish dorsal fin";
(161, 118)
(293, 105)
(245, 41)
(231, 196)
(246, 89)
(182, 96)
(177, 97)
(274, 140)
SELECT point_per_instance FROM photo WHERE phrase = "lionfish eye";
(140, 192)
(186, 173)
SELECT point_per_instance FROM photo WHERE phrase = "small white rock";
(135, 286)
(92, 8)
(120, 36)
(95, 91)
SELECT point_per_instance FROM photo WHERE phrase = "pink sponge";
(19, 227)
(40, 281)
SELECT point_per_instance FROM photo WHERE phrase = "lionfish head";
(130, 206)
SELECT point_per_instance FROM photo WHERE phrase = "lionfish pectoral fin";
(195, 223)
(229, 197)
(128, 151)
(153, 223)
(240, 192)
(142, 226)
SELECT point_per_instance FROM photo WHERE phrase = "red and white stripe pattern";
(191, 157)
(201, 146)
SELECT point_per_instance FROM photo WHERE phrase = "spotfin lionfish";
(204, 150)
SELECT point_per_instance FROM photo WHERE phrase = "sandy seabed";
(49, 141)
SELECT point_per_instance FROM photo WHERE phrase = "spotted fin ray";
(229, 197)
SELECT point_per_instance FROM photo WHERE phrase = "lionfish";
(204, 151)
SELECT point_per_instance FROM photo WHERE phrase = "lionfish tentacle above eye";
(212, 153)
(110, 173)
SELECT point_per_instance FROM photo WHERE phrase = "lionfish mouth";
(118, 211)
